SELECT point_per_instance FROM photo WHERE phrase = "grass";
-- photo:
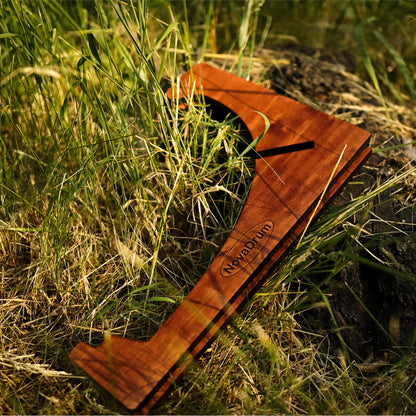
(113, 201)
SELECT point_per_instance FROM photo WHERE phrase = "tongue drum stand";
(314, 155)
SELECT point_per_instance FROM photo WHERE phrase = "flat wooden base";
(288, 187)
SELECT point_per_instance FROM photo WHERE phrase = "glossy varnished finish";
(286, 189)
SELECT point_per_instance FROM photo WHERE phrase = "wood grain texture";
(286, 189)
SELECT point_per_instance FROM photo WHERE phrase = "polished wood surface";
(316, 153)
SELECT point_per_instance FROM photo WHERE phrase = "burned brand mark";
(247, 248)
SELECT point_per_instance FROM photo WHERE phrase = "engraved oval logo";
(247, 248)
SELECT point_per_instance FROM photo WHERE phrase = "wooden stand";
(317, 153)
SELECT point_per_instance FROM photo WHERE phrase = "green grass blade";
(400, 63)
(365, 57)
(407, 277)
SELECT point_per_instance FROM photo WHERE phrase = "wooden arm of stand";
(286, 188)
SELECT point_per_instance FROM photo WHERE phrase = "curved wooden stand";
(286, 188)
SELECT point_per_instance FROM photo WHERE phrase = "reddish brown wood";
(285, 190)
